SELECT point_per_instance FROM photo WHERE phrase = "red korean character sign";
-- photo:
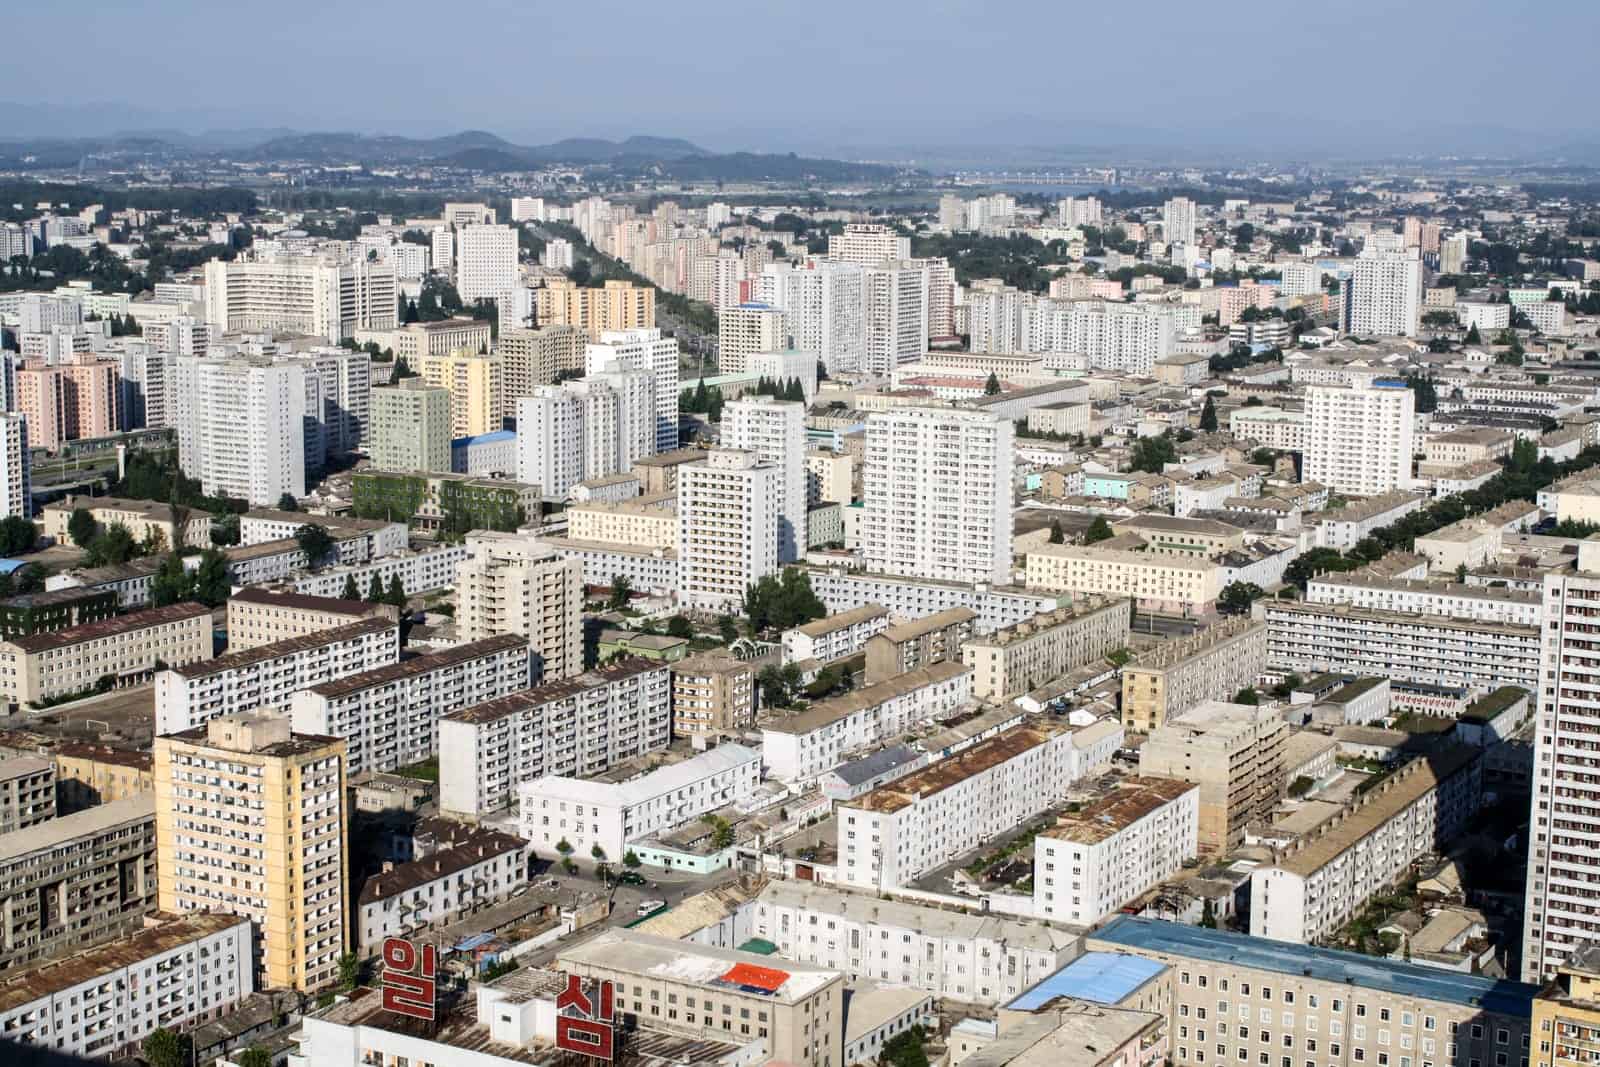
(584, 1019)
(409, 975)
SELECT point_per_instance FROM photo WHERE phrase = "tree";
(172, 584)
(375, 589)
(621, 590)
(254, 1056)
(212, 586)
(116, 545)
(81, 527)
(1461, 573)
(678, 626)
(166, 1048)
(1099, 530)
(598, 853)
(1246, 695)
(630, 860)
(287, 502)
(1236, 597)
(349, 970)
(397, 592)
(727, 629)
(564, 847)
(904, 1050)
(1473, 336)
(17, 535)
(315, 542)
(1151, 454)
(774, 689)
(350, 591)
(1057, 536)
(1208, 416)
(991, 387)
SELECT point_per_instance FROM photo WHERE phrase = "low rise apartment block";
(481, 869)
(977, 959)
(1168, 584)
(1234, 753)
(1098, 858)
(27, 792)
(800, 748)
(613, 815)
(76, 880)
(262, 616)
(650, 521)
(916, 598)
(1321, 881)
(88, 773)
(713, 693)
(897, 833)
(124, 649)
(834, 636)
(267, 676)
(104, 1001)
(1427, 596)
(576, 727)
(1174, 676)
(919, 643)
(389, 715)
(1437, 650)
(1023, 657)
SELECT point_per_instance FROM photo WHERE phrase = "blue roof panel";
(1100, 977)
(1324, 964)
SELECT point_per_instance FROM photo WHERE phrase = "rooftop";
(1046, 621)
(480, 845)
(645, 787)
(854, 772)
(56, 975)
(956, 769)
(412, 666)
(843, 620)
(923, 919)
(1370, 507)
(302, 602)
(1486, 707)
(1133, 799)
(698, 965)
(287, 647)
(105, 628)
(1171, 653)
(829, 711)
(939, 620)
(1098, 977)
(523, 699)
(53, 833)
(1154, 936)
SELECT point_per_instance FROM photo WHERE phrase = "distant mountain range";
(665, 157)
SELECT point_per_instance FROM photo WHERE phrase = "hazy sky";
(804, 73)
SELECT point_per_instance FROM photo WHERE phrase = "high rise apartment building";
(746, 330)
(16, 468)
(727, 527)
(476, 384)
(1384, 294)
(68, 401)
(1178, 220)
(896, 316)
(583, 429)
(512, 584)
(867, 244)
(242, 427)
(411, 427)
(316, 296)
(775, 430)
(531, 358)
(824, 309)
(250, 819)
(1360, 439)
(1564, 823)
(486, 262)
(936, 483)
(618, 305)
(644, 350)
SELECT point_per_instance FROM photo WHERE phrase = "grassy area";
(1120, 657)
(1000, 855)
(427, 770)
(1360, 934)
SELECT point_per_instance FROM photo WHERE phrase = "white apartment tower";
(867, 244)
(514, 584)
(727, 528)
(1360, 438)
(442, 250)
(775, 430)
(317, 296)
(583, 429)
(1177, 220)
(896, 315)
(745, 330)
(1564, 823)
(1384, 294)
(242, 427)
(644, 350)
(486, 263)
(824, 308)
(16, 480)
(1453, 254)
(937, 489)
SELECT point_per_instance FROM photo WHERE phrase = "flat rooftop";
(412, 666)
(1155, 936)
(524, 699)
(287, 647)
(827, 712)
(699, 965)
(106, 628)
(1098, 977)
(957, 768)
(54, 833)
(1106, 816)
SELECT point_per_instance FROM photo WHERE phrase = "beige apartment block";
(532, 358)
(417, 339)
(477, 389)
(286, 866)
(1468, 445)
(88, 774)
(1172, 677)
(1168, 584)
(125, 648)
(1025, 656)
(143, 519)
(713, 693)
(619, 305)
(411, 424)
(646, 520)
(1234, 753)
(511, 584)
(830, 477)
(910, 646)
(259, 616)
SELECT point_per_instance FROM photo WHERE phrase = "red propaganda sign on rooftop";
(409, 978)
(585, 1018)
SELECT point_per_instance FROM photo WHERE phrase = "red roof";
(749, 974)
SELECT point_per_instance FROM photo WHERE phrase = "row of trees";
(702, 400)
(376, 594)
